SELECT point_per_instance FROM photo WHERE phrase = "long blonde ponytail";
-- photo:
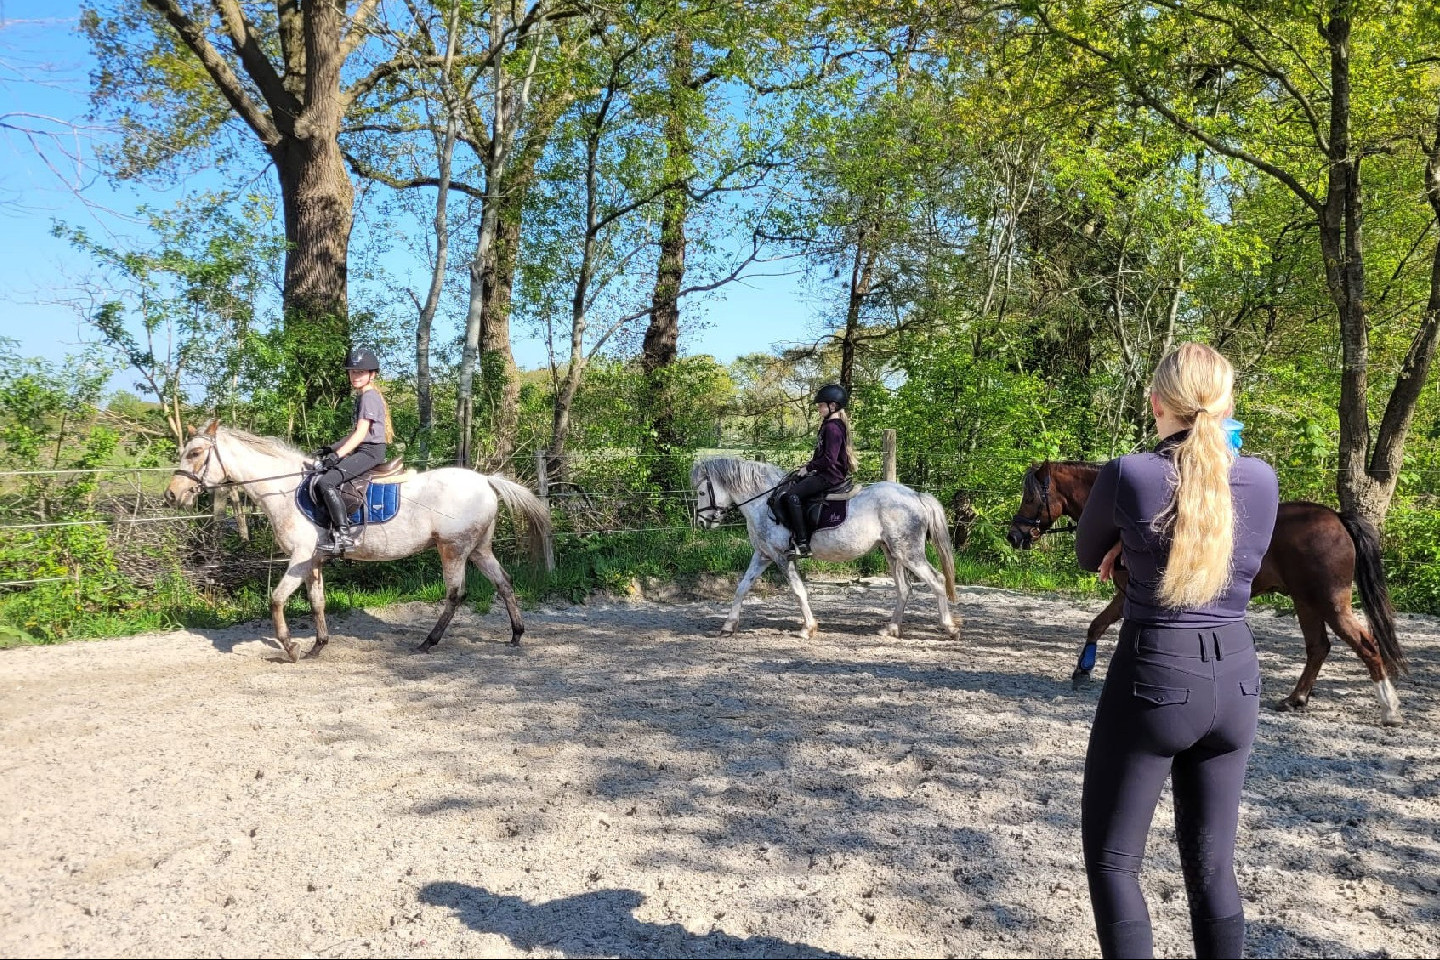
(852, 462)
(1195, 383)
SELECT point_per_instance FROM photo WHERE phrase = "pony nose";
(169, 498)
(1017, 540)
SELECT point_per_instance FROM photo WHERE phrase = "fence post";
(887, 455)
(542, 487)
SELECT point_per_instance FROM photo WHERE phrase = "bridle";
(199, 478)
(1040, 524)
(713, 513)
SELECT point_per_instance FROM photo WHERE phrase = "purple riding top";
(1132, 491)
(828, 461)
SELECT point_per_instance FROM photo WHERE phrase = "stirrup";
(798, 551)
(339, 542)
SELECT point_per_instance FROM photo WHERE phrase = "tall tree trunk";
(862, 270)
(662, 336)
(501, 378)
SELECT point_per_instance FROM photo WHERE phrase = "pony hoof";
(1392, 720)
(890, 631)
(808, 633)
(289, 646)
(1289, 705)
(727, 631)
(425, 647)
(314, 651)
(515, 640)
(1080, 678)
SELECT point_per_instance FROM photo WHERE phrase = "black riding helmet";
(362, 358)
(833, 393)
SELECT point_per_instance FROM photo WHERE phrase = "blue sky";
(44, 71)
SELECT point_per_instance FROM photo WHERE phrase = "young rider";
(833, 462)
(361, 451)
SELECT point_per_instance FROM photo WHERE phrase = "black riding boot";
(795, 520)
(342, 535)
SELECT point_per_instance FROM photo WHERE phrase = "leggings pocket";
(1250, 687)
(1161, 695)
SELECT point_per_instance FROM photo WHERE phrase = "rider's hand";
(1107, 566)
(322, 453)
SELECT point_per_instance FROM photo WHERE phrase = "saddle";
(372, 497)
(821, 513)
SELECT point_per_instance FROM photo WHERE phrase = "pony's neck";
(1073, 482)
(268, 477)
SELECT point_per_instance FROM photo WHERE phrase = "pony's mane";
(271, 446)
(1031, 485)
(736, 475)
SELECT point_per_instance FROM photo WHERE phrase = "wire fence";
(590, 493)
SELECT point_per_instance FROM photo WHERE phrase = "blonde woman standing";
(1182, 694)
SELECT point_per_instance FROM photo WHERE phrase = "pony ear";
(191, 430)
(212, 427)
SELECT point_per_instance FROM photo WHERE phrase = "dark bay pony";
(1315, 555)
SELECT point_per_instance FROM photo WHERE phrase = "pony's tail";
(1374, 594)
(527, 508)
(939, 530)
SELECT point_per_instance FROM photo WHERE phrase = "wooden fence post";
(542, 487)
(887, 455)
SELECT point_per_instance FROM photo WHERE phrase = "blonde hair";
(1195, 383)
(852, 462)
(374, 384)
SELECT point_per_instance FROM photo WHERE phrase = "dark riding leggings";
(365, 457)
(1182, 702)
(793, 502)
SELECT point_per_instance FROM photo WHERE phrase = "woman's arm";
(362, 427)
(1098, 532)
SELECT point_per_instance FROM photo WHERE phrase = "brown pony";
(1314, 556)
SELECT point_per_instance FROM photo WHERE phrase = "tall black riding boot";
(795, 520)
(341, 535)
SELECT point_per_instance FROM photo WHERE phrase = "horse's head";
(1038, 508)
(711, 501)
(200, 467)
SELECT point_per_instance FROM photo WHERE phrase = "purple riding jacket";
(829, 458)
(1131, 491)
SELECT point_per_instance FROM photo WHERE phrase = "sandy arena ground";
(627, 784)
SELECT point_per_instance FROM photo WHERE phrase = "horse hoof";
(515, 640)
(289, 646)
(314, 651)
(1289, 705)
(725, 632)
(425, 647)
(890, 631)
(809, 633)
(1080, 678)
(1393, 720)
(954, 632)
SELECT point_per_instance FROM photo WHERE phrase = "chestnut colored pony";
(1314, 556)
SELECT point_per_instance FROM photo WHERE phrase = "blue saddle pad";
(382, 502)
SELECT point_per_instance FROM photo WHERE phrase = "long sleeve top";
(1131, 491)
(829, 458)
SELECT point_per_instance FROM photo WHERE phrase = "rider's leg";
(807, 488)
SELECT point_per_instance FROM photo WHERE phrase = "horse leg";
(1352, 630)
(452, 568)
(1317, 648)
(792, 573)
(1088, 653)
(294, 575)
(922, 569)
(483, 558)
(902, 591)
(758, 563)
(315, 590)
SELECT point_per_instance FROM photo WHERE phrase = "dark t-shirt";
(370, 405)
(1131, 491)
(829, 458)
